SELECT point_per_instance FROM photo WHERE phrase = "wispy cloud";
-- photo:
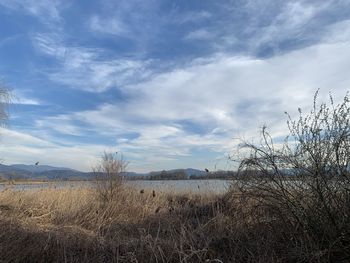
(200, 34)
(267, 28)
(120, 19)
(18, 97)
(89, 68)
(61, 123)
(47, 11)
(192, 17)
(290, 23)
(111, 26)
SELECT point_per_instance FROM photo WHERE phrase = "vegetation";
(224, 175)
(76, 225)
(301, 188)
(179, 174)
(109, 175)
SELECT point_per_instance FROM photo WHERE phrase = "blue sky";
(170, 84)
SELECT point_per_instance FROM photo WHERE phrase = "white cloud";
(111, 26)
(229, 97)
(295, 22)
(89, 68)
(192, 17)
(47, 11)
(338, 32)
(200, 34)
(213, 91)
(18, 97)
(60, 123)
(135, 20)
(12, 137)
(288, 24)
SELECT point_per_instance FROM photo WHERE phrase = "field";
(76, 225)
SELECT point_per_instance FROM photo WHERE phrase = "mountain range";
(46, 172)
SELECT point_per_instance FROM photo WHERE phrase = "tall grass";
(76, 225)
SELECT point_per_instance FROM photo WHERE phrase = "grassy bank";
(74, 225)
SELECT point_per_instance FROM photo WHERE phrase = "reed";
(77, 225)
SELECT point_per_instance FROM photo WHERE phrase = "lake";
(195, 186)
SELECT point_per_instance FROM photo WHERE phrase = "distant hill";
(194, 172)
(38, 168)
(41, 172)
(46, 172)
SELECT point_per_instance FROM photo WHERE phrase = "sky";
(169, 84)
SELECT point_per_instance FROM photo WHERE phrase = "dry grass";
(55, 225)
(74, 225)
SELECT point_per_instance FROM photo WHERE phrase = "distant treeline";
(181, 174)
(216, 175)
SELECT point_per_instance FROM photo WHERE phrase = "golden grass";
(75, 225)
(79, 206)
(120, 224)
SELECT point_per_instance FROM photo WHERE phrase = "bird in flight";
(206, 170)
(36, 163)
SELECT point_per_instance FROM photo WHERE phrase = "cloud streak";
(46, 11)
(89, 68)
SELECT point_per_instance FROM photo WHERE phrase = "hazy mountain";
(8, 168)
(194, 172)
(38, 168)
(23, 171)
(46, 172)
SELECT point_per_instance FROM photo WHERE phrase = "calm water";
(199, 186)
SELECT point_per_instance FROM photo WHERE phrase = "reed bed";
(76, 225)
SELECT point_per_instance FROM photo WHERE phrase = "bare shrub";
(303, 182)
(109, 175)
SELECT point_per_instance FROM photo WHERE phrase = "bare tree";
(109, 174)
(304, 181)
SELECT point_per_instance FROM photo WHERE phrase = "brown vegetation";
(109, 175)
(76, 225)
(303, 183)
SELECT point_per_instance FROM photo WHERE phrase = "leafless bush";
(109, 175)
(304, 182)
